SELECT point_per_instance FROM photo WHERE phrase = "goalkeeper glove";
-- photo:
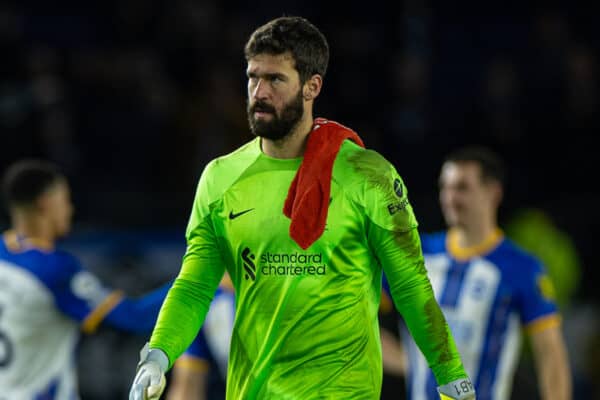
(149, 381)
(460, 389)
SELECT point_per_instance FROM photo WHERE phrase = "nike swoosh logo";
(233, 215)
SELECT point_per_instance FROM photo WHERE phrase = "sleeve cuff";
(542, 323)
(91, 322)
(191, 363)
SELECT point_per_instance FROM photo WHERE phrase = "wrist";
(157, 356)
(460, 389)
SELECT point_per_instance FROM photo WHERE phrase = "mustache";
(260, 106)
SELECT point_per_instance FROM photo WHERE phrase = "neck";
(469, 236)
(293, 144)
(32, 227)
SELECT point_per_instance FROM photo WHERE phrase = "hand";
(149, 382)
(460, 389)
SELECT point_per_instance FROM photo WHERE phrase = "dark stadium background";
(132, 98)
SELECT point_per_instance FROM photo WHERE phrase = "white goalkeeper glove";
(460, 389)
(149, 381)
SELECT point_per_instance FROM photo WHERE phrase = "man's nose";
(261, 90)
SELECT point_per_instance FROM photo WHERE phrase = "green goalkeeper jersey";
(306, 323)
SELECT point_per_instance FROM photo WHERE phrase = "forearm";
(187, 302)
(552, 365)
(394, 359)
(138, 315)
(430, 331)
(401, 257)
(186, 305)
(187, 384)
(554, 379)
(554, 382)
(180, 318)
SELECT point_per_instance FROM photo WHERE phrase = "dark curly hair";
(296, 35)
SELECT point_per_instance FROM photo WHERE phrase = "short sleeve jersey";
(486, 297)
(44, 297)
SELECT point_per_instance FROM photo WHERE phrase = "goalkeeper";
(307, 279)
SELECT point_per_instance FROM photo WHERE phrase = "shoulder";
(64, 265)
(527, 275)
(237, 160)
(433, 243)
(372, 182)
(244, 154)
(222, 172)
(515, 255)
(362, 162)
(517, 264)
(50, 267)
(357, 168)
(65, 257)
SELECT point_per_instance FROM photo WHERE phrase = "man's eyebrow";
(268, 76)
(274, 75)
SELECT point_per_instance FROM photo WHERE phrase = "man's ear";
(497, 192)
(42, 203)
(312, 87)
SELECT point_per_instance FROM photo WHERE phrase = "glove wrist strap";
(460, 389)
(156, 355)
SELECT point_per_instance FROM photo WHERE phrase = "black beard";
(280, 125)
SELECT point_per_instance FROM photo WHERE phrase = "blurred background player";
(488, 288)
(46, 296)
(200, 373)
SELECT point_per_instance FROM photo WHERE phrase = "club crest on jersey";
(398, 187)
(400, 205)
(546, 287)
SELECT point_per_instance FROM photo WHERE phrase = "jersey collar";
(465, 253)
(17, 243)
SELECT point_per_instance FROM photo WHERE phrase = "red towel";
(307, 201)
